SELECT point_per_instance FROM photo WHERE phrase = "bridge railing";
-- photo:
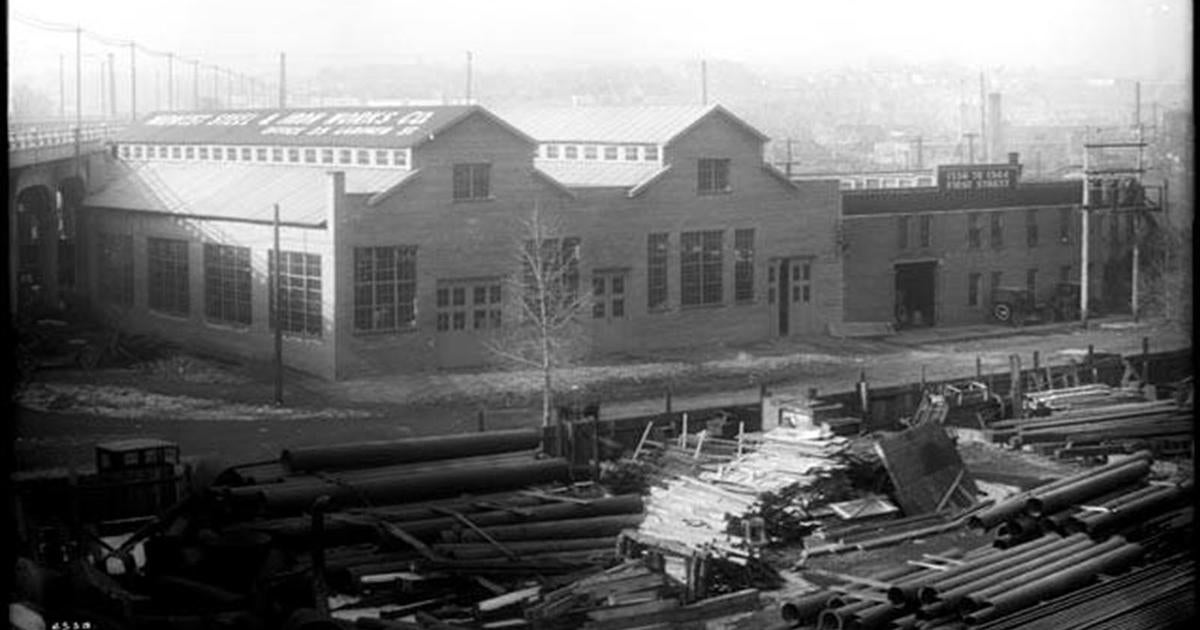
(60, 135)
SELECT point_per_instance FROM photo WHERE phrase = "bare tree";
(548, 302)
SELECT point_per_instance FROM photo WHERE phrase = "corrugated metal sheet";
(656, 124)
(234, 191)
(598, 174)
(383, 127)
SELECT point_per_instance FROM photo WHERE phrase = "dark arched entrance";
(69, 201)
(37, 243)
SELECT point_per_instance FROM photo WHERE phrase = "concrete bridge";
(52, 166)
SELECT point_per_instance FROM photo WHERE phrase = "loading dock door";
(790, 295)
(916, 294)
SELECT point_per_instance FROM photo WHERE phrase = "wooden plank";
(851, 579)
(642, 442)
(508, 599)
(554, 497)
(392, 530)
(631, 610)
(712, 608)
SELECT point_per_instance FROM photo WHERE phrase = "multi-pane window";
(299, 297)
(1031, 281)
(743, 265)
(973, 280)
(364, 156)
(590, 152)
(712, 176)
(1031, 228)
(610, 152)
(400, 158)
(997, 231)
(247, 154)
(116, 268)
(310, 156)
(260, 154)
(802, 280)
(1064, 225)
(277, 155)
(552, 151)
(997, 277)
(189, 152)
(650, 153)
(176, 153)
(902, 232)
(227, 284)
(631, 153)
(472, 181)
(608, 295)
(381, 157)
(700, 267)
(559, 279)
(293, 155)
(571, 152)
(925, 228)
(385, 288)
(345, 156)
(167, 276)
(656, 270)
(327, 156)
(469, 305)
(974, 237)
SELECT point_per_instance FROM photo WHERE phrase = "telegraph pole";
(112, 85)
(78, 98)
(170, 81)
(1085, 237)
(1136, 208)
(278, 258)
(132, 82)
(196, 84)
(282, 80)
(983, 119)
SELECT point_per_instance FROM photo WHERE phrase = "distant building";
(401, 225)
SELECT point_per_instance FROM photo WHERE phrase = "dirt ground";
(225, 412)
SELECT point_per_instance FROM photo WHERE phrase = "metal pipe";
(903, 593)
(567, 528)
(418, 486)
(839, 618)
(385, 452)
(1086, 488)
(1045, 567)
(1015, 557)
(1056, 584)
(1124, 514)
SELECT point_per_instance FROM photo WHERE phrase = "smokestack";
(282, 80)
(995, 141)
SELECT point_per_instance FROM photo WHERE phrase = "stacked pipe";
(378, 473)
(1115, 426)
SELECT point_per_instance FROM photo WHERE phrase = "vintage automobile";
(1018, 306)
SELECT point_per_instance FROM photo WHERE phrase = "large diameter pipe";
(1086, 488)
(839, 618)
(902, 593)
(1125, 514)
(945, 599)
(1046, 567)
(468, 551)
(1014, 557)
(1056, 584)
(1009, 508)
(416, 487)
(384, 452)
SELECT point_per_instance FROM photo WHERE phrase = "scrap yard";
(1042, 497)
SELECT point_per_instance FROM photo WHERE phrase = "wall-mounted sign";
(978, 176)
(302, 123)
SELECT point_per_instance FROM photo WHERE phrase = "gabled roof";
(643, 124)
(597, 174)
(374, 127)
(238, 192)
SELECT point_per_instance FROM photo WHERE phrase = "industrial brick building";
(933, 255)
(399, 229)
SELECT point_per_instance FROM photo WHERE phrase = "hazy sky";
(1147, 39)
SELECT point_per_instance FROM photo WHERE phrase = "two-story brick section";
(400, 228)
(932, 255)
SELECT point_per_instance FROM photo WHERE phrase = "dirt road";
(223, 412)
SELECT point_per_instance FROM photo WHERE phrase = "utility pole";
(970, 136)
(703, 82)
(1136, 208)
(468, 77)
(62, 90)
(282, 80)
(1085, 236)
(103, 87)
(78, 99)
(278, 258)
(983, 138)
(170, 81)
(216, 87)
(112, 85)
(196, 84)
(132, 82)
(920, 152)
(1137, 104)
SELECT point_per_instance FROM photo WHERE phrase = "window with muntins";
(167, 276)
(227, 284)
(116, 268)
(974, 238)
(385, 288)
(743, 265)
(656, 270)
(1031, 228)
(1031, 280)
(973, 280)
(997, 277)
(469, 305)
(700, 268)
(997, 229)
(299, 298)
(608, 295)
(925, 223)
(713, 176)
(472, 181)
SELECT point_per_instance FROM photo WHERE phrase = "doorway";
(790, 295)
(916, 294)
